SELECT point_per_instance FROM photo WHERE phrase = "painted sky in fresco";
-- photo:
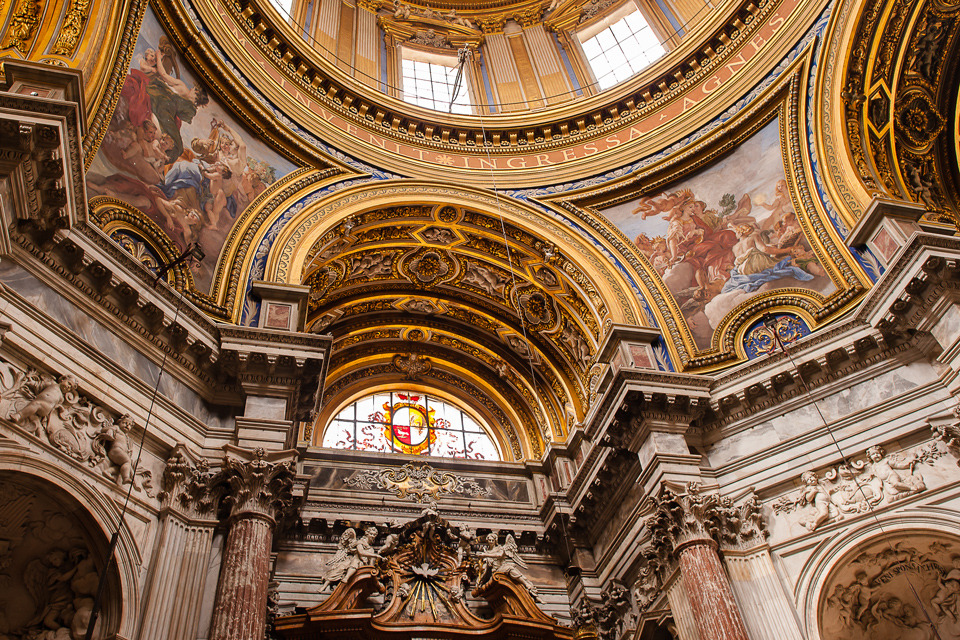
(175, 153)
(724, 234)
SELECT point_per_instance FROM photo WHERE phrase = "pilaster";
(175, 584)
(688, 529)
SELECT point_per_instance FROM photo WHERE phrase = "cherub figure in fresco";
(218, 175)
(648, 206)
(683, 231)
(656, 251)
(779, 207)
(234, 156)
(148, 62)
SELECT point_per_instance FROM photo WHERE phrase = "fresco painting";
(177, 155)
(724, 235)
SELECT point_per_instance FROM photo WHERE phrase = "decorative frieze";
(859, 486)
(421, 483)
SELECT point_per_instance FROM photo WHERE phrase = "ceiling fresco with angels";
(724, 235)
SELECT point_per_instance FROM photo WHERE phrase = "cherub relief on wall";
(52, 409)
(903, 588)
(857, 488)
(48, 575)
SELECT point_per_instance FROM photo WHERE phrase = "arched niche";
(52, 554)
(901, 584)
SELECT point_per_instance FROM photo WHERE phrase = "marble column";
(687, 528)
(711, 597)
(258, 490)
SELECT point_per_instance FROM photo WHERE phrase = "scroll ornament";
(53, 410)
(421, 483)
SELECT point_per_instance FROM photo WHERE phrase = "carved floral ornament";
(692, 515)
(421, 483)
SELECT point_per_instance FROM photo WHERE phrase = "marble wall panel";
(107, 343)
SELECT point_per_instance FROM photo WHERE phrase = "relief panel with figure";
(903, 587)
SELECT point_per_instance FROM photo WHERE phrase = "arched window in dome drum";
(430, 81)
(621, 49)
(412, 423)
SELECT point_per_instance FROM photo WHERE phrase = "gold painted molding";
(786, 101)
(716, 64)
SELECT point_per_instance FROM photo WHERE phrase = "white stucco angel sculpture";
(505, 559)
(351, 554)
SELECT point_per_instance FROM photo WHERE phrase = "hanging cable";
(187, 256)
(770, 322)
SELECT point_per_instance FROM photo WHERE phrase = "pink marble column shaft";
(708, 589)
(240, 608)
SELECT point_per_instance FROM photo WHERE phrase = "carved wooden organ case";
(422, 578)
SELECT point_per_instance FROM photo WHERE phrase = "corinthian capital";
(257, 482)
(692, 515)
(187, 484)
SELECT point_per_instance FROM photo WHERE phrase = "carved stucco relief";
(877, 479)
(51, 408)
(49, 567)
(903, 587)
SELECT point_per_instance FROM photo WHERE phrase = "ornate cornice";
(369, 124)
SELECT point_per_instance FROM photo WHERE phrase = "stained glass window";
(409, 422)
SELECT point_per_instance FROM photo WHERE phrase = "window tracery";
(409, 422)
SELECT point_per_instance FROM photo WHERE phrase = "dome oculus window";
(621, 49)
(409, 422)
(429, 81)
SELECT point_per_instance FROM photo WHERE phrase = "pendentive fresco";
(176, 154)
(725, 234)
